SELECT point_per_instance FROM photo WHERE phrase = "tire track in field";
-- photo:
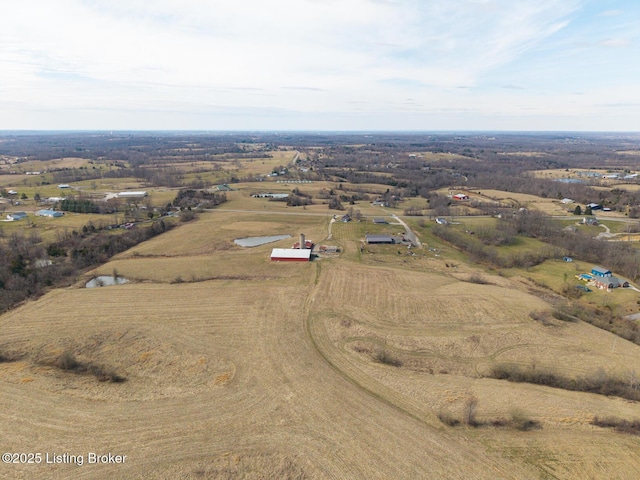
(318, 337)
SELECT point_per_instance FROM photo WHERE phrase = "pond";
(105, 280)
(569, 180)
(256, 241)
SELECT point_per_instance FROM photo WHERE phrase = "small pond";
(569, 180)
(256, 241)
(105, 280)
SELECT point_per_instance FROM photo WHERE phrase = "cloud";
(212, 58)
(615, 42)
(611, 13)
(305, 89)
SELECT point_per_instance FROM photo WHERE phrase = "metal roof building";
(379, 239)
(48, 213)
(600, 272)
(132, 194)
(16, 216)
(291, 254)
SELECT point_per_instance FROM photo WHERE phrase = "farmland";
(233, 366)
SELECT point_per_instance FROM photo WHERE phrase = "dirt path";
(409, 234)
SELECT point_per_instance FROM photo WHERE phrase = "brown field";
(628, 152)
(238, 367)
(525, 154)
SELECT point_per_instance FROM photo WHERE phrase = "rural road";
(412, 237)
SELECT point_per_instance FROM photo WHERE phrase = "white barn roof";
(132, 194)
(290, 254)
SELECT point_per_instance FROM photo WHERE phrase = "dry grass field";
(233, 366)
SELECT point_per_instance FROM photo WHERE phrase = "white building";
(132, 194)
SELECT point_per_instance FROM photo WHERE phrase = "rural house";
(606, 283)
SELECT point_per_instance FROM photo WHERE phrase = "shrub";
(543, 317)
(623, 426)
(478, 278)
(564, 315)
(598, 382)
(67, 361)
(520, 421)
(448, 419)
(386, 358)
(187, 215)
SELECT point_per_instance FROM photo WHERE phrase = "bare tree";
(470, 411)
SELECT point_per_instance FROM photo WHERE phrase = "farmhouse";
(291, 254)
(345, 218)
(460, 196)
(16, 216)
(48, 213)
(600, 272)
(606, 283)
(379, 239)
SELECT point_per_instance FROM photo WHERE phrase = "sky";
(362, 65)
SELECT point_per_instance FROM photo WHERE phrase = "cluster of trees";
(299, 198)
(485, 251)
(79, 205)
(619, 256)
(188, 199)
(28, 267)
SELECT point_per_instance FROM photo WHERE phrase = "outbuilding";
(132, 194)
(291, 254)
(379, 239)
(600, 272)
(16, 216)
(460, 196)
(49, 213)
